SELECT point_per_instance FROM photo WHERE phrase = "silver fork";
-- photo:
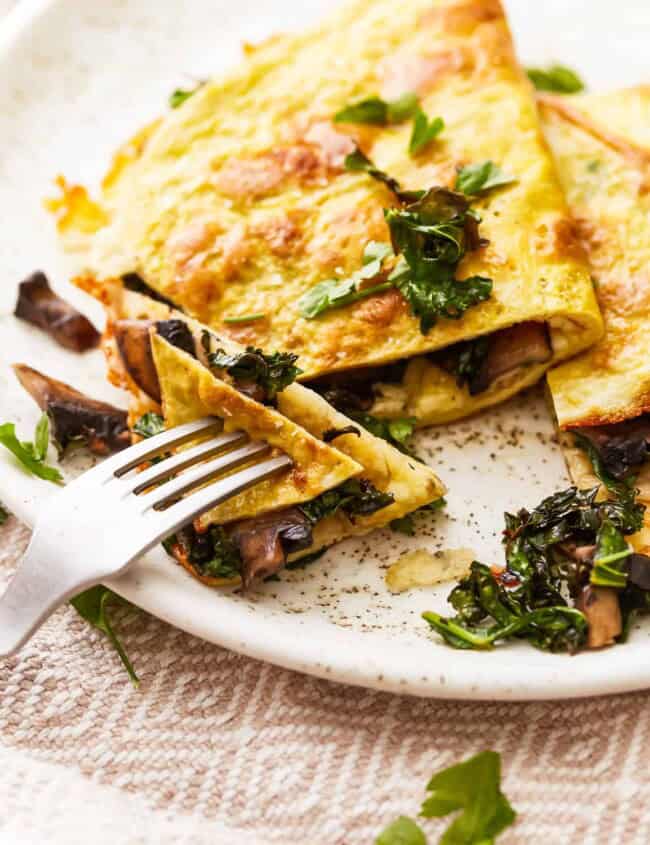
(97, 525)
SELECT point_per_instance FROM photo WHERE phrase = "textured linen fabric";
(217, 748)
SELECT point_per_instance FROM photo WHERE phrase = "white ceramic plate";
(77, 78)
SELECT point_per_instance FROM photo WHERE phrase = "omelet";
(601, 398)
(259, 204)
(344, 480)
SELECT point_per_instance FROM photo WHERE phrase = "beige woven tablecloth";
(216, 748)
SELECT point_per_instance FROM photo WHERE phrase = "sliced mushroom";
(603, 613)
(518, 346)
(134, 346)
(638, 570)
(38, 304)
(622, 447)
(265, 541)
(74, 416)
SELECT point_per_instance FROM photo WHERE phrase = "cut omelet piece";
(601, 398)
(190, 391)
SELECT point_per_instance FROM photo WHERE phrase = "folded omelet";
(344, 480)
(258, 204)
(602, 397)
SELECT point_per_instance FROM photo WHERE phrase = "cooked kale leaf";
(557, 78)
(433, 235)
(355, 497)
(270, 372)
(378, 112)
(212, 553)
(406, 524)
(31, 455)
(568, 540)
(396, 432)
(482, 177)
(358, 161)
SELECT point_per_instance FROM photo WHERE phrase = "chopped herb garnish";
(270, 372)
(178, 97)
(406, 524)
(557, 78)
(569, 540)
(359, 162)
(481, 177)
(336, 293)
(92, 606)
(149, 425)
(472, 787)
(244, 318)
(403, 831)
(31, 455)
(424, 132)
(378, 112)
(355, 497)
(433, 235)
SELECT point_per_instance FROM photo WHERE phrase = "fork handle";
(35, 591)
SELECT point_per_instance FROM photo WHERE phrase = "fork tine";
(179, 514)
(166, 493)
(170, 466)
(152, 447)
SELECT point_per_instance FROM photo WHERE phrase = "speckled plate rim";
(310, 644)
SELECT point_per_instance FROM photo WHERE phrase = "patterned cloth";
(216, 748)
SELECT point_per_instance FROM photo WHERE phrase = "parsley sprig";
(556, 78)
(473, 790)
(378, 112)
(482, 177)
(32, 455)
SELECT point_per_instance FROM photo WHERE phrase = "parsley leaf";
(396, 432)
(403, 831)
(433, 234)
(474, 787)
(91, 605)
(31, 455)
(378, 112)
(482, 177)
(424, 131)
(336, 293)
(557, 78)
(149, 425)
(4, 515)
(178, 97)
(271, 372)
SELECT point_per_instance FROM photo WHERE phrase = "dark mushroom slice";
(622, 447)
(134, 345)
(480, 362)
(134, 282)
(73, 416)
(38, 304)
(603, 613)
(265, 541)
(638, 570)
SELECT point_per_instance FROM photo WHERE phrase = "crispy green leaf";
(424, 132)
(481, 177)
(557, 78)
(378, 112)
(403, 831)
(92, 605)
(473, 787)
(27, 453)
